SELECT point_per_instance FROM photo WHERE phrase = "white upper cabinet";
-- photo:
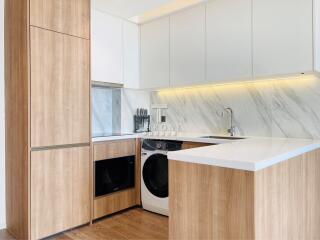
(187, 53)
(155, 47)
(316, 29)
(106, 42)
(131, 55)
(229, 40)
(282, 37)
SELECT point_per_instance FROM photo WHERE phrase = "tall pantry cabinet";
(47, 85)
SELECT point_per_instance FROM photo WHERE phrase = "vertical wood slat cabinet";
(59, 89)
(47, 85)
(69, 17)
(59, 190)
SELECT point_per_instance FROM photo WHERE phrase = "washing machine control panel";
(164, 145)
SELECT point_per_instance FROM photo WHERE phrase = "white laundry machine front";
(154, 174)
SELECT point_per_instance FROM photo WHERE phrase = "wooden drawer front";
(114, 149)
(65, 16)
(60, 89)
(188, 145)
(114, 202)
(60, 190)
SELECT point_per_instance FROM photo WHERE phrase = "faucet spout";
(232, 128)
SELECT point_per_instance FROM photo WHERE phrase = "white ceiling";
(140, 11)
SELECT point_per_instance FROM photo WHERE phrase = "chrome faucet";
(232, 129)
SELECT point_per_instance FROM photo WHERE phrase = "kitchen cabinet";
(187, 47)
(155, 49)
(47, 67)
(316, 29)
(59, 187)
(131, 55)
(126, 198)
(59, 62)
(228, 40)
(282, 37)
(106, 48)
(70, 17)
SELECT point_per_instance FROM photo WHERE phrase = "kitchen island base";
(278, 202)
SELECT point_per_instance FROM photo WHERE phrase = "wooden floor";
(133, 224)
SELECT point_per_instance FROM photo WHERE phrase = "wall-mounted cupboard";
(187, 47)
(223, 41)
(228, 40)
(155, 53)
(114, 50)
(282, 37)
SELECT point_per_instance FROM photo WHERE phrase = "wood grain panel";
(138, 172)
(114, 149)
(81, 212)
(114, 202)
(188, 145)
(60, 85)
(59, 190)
(118, 201)
(209, 202)
(17, 117)
(287, 197)
(65, 16)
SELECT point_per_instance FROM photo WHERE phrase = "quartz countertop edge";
(252, 154)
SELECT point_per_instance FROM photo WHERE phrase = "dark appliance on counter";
(112, 175)
(141, 121)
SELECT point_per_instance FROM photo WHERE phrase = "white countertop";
(250, 154)
(184, 137)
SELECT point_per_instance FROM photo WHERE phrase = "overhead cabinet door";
(187, 47)
(282, 37)
(65, 16)
(155, 47)
(107, 49)
(229, 40)
(59, 89)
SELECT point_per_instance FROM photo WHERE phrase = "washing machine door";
(155, 175)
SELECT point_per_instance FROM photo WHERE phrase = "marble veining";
(281, 108)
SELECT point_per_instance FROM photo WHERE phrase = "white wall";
(2, 172)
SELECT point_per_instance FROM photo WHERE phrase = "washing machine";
(154, 174)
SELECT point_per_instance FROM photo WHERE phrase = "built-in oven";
(112, 175)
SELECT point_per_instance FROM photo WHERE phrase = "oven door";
(113, 175)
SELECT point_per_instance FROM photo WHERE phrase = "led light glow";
(233, 86)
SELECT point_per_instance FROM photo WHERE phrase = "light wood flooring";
(133, 224)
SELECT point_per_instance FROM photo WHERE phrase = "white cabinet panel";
(106, 48)
(155, 47)
(131, 55)
(282, 37)
(187, 38)
(229, 40)
(316, 29)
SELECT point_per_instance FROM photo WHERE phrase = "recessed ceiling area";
(140, 11)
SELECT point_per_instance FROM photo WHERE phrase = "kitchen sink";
(226, 138)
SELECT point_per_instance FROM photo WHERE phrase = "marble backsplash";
(277, 108)
(113, 109)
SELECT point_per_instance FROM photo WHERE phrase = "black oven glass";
(113, 175)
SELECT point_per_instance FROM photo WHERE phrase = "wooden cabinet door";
(60, 87)
(107, 49)
(60, 195)
(187, 47)
(155, 57)
(282, 37)
(65, 16)
(229, 40)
